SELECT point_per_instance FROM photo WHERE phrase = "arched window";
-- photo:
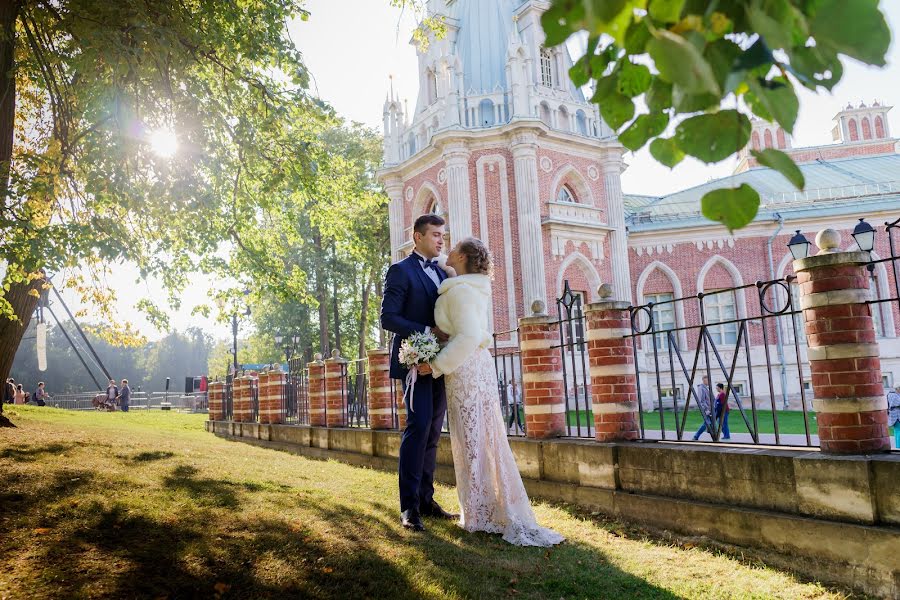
(412, 143)
(581, 122)
(719, 308)
(877, 317)
(780, 136)
(768, 139)
(754, 140)
(546, 68)
(867, 129)
(432, 86)
(663, 317)
(879, 128)
(854, 131)
(563, 119)
(565, 195)
(486, 113)
(545, 113)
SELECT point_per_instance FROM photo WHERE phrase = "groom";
(410, 292)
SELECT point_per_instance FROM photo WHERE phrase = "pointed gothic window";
(486, 110)
(432, 87)
(565, 195)
(581, 122)
(546, 68)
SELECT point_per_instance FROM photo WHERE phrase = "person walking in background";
(40, 395)
(124, 395)
(19, 397)
(9, 393)
(893, 400)
(112, 392)
(704, 403)
(722, 410)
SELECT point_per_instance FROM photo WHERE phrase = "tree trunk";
(9, 13)
(11, 332)
(334, 300)
(321, 295)
(364, 316)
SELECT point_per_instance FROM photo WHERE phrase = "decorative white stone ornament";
(593, 173)
(605, 291)
(828, 241)
(538, 307)
(442, 176)
(546, 164)
(409, 194)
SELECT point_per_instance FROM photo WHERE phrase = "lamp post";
(234, 327)
(289, 346)
(864, 234)
(799, 246)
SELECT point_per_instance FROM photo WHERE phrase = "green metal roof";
(830, 184)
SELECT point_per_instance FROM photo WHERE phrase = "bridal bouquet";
(417, 349)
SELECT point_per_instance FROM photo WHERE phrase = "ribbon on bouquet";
(411, 377)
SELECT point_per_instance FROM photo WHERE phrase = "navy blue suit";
(408, 307)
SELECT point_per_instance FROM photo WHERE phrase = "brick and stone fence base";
(849, 399)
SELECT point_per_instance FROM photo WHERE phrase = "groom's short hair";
(422, 223)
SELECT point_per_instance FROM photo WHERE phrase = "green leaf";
(666, 11)
(561, 20)
(659, 96)
(580, 73)
(715, 136)
(606, 86)
(643, 128)
(636, 37)
(634, 79)
(853, 27)
(679, 62)
(816, 66)
(781, 162)
(733, 207)
(616, 109)
(666, 151)
(722, 56)
(778, 98)
(773, 31)
(688, 103)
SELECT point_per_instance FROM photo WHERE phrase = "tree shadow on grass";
(143, 457)
(25, 453)
(5, 422)
(205, 491)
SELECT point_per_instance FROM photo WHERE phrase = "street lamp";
(864, 234)
(234, 327)
(290, 344)
(799, 246)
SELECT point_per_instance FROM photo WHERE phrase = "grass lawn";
(150, 505)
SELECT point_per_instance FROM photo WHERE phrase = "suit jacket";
(408, 305)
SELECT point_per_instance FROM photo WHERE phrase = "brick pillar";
(336, 391)
(613, 382)
(271, 397)
(542, 376)
(216, 394)
(379, 399)
(849, 399)
(317, 392)
(243, 412)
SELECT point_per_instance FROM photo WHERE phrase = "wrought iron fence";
(573, 355)
(890, 303)
(194, 402)
(719, 343)
(357, 382)
(508, 363)
(229, 397)
(296, 392)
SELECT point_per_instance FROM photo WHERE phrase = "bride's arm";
(467, 332)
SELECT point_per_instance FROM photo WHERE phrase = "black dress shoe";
(433, 509)
(410, 519)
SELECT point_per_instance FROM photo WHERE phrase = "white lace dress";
(492, 497)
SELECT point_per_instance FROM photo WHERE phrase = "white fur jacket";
(461, 312)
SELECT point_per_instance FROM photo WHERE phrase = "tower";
(862, 123)
(506, 148)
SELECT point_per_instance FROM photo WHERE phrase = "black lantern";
(799, 246)
(864, 234)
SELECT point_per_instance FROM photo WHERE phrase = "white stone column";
(618, 238)
(459, 193)
(531, 245)
(393, 186)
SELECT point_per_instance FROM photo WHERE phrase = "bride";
(492, 497)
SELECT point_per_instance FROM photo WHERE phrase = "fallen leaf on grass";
(221, 588)
(327, 570)
(41, 531)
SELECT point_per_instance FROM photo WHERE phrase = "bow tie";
(430, 264)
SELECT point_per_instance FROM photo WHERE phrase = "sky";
(352, 47)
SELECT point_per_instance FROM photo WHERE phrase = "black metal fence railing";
(714, 349)
(296, 392)
(229, 397)
(573, 355)
(357, 381)
(508, 363)
(885, 304)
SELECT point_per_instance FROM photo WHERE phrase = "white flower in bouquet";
(417, 349)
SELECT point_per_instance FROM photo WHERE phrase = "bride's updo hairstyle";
(478, 258)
